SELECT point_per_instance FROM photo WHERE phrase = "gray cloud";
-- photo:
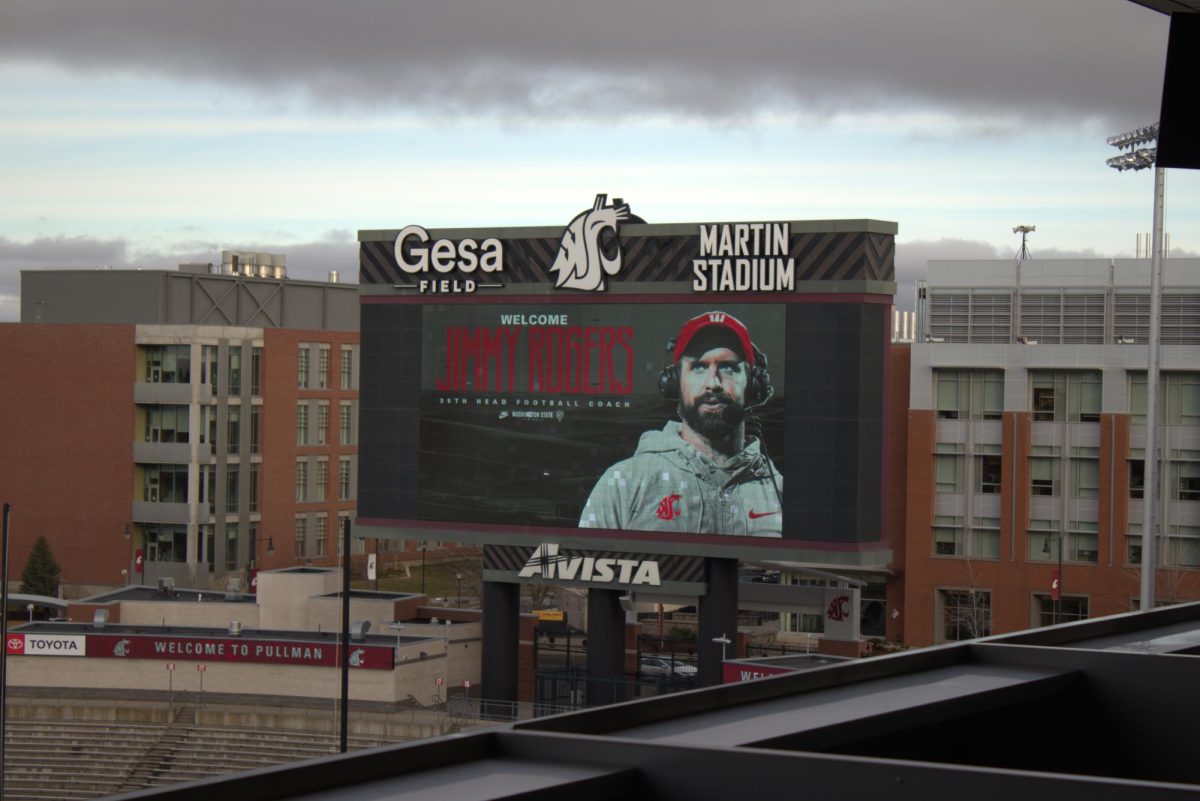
(1070, 59)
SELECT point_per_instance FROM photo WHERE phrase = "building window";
(234, 427)
(208, 486)
(255, 469)
(347, 368)
(1083, 542)
(321, 535)
(969, 394)
(985, 538)
(1137, 477)
(166, 424)
(323, 368)
(168, 364)
(231, 488)
(1043, 475)
(344, 479)
(164, 542)
(208, 426)
(1043, 537)
(255, 428)
(1187, 480)
(1182, 547)
(302, 367)
(208, 367)
(345, 424)
(948, 536)
(1070, 395)
(322, 423)
(987, 474)
(1081, 545)
(165, 483)
(302, 423)
(1133, 544)
(322, 478)
(1071, 607)
(231, 546)
(358, 545)
(301, 480)
(980, 541)
(235, 370)
(1085, 475)
(948, 472)
(301, 539)
(966, 614)
(207, 543)
(256, 371)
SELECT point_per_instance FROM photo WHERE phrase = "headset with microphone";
(758, 380)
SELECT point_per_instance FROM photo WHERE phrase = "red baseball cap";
(707, 320)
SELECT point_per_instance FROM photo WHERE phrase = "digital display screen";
(663, 418)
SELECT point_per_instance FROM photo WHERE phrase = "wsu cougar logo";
(667, 510)
(581, 263)
(839, 608)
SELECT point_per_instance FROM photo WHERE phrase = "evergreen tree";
(41, 573)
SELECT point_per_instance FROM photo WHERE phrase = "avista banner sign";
(546, 564)
(236, 649)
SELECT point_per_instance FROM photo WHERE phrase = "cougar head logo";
(121, 648)
(581, 263)
(356, 657)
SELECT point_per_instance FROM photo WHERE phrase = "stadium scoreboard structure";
(508, 372)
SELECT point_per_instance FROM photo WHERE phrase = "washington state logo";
(121, 648)
(667, 509)
(581, 262)
(356, 657)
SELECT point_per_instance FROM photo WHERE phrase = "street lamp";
(397, 627)
(422, 567)
(1136, 157)
(1056, 584)
(724, 642)
(458, 578)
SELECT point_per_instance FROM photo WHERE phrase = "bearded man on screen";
(701, 474)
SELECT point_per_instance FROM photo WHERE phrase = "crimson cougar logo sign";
(581, 262)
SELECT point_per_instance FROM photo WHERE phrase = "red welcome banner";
(237, 649)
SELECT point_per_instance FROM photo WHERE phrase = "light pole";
(1135, 157)
(724, 642)
(397, 627)
(1056, 584)
(458, 578)
(423, 544)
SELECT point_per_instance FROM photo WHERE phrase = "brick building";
(1026, 437)
(208, 421)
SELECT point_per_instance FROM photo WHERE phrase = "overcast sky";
(150, 132)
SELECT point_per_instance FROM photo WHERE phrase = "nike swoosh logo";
(755, 515)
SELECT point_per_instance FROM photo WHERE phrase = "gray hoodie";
(667, 485)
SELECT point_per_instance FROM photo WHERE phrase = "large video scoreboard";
(608, 389)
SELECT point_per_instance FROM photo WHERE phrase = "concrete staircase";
(81, 760)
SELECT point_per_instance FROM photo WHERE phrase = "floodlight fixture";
(1024, 229)
(1142, 159)
(1138, 136)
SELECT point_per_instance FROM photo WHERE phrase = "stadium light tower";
(1136, 156)
(1024, 231)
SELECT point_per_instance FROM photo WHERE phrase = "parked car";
(665, 666)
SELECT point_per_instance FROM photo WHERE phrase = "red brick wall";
(66, 423)
(280, 395)
(1014, 579)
